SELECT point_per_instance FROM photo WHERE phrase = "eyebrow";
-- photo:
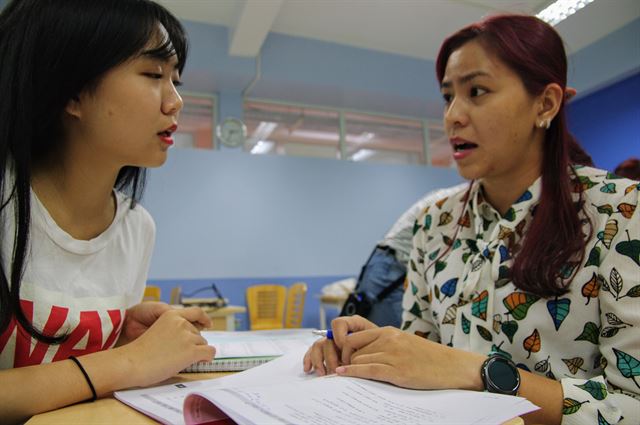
(465, 78)
(159, 58)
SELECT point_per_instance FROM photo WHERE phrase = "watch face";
(232, 132)
(500, 375)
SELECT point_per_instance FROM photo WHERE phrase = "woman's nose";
(172, 103)
(455, 114)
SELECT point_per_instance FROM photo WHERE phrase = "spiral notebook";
(236, 351)
(231, 364)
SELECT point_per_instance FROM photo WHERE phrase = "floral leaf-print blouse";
(588, 339)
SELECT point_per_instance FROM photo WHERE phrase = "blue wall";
(302, 70)
(607, 122)
(228, 214)
(240, 219)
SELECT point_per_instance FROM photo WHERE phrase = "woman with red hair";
(526, 282)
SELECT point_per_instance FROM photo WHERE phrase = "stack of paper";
(280, 393)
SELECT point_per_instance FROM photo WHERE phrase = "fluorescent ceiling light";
(363, 154)
(316, 135)
(263, 130)
(361, 138)
(262, 147)
(333, 136)
(561, 10)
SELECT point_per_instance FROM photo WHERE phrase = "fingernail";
(340, 370)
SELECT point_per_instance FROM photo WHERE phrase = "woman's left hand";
(139, 318)
(409, 361)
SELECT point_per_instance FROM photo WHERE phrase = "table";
(224, 318)
(331, 301)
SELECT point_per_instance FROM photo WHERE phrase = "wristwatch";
(500, 375)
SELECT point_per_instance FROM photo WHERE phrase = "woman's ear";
(73, 107)
(549, 102)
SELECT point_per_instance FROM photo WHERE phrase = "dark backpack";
(361, 303)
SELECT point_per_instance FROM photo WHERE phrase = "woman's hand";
(409, 361)
(323, 356)
(172, 343)
(139, 318)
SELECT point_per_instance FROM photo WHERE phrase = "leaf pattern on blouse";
(588, 339)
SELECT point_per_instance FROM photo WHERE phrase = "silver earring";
(545, 124)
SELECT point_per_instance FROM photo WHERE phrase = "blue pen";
(326, 333)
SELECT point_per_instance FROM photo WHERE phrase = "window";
(196, 124)
(383, 139)
(278, 129)
(275, 128)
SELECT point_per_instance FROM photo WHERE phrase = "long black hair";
(50, 52)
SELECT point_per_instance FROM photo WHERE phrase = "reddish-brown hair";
(554, 240)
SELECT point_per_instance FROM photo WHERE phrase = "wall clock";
(231, 132)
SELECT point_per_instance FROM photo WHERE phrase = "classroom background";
(311, 191)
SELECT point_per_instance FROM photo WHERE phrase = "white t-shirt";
(75, 287)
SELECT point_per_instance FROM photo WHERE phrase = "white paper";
(165, 403)
(331, 400)
(258, 343)
(279, 392)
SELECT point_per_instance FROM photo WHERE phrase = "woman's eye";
(447, 97)
(177, 83)
(153, 75)
(477, 91)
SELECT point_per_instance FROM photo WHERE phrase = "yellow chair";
(296, 295)
(266, 306)
(151, 293)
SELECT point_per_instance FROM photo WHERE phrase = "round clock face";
(231, 132)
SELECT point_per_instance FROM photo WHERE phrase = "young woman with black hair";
(88, 101)
(528, 281)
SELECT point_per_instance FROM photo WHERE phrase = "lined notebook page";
(243, 350)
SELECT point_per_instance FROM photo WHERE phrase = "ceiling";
(413, 28)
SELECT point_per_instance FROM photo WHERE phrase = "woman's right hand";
(171, 344)
(326, 354)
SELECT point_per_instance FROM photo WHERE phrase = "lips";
(461, 147)
(165, 135)
(460, 144)
(168, 131)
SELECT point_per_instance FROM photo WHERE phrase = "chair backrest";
(266, 306)
(176, 295)
(296, 295)
(151, 293)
